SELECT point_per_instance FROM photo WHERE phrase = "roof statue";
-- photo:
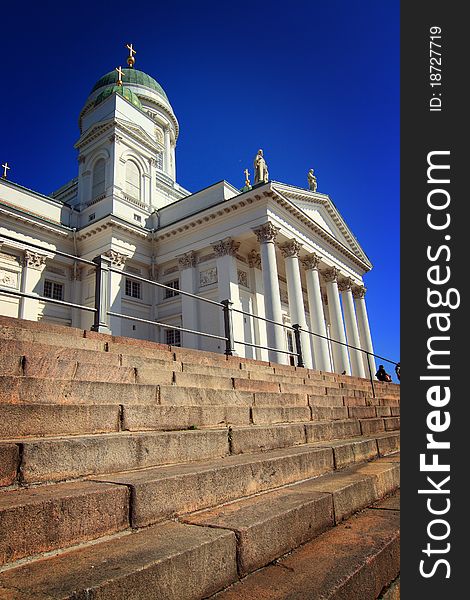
(261, 168)
(312, 181)
(6, 168)
(130, 58)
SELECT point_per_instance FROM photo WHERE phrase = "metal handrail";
(4, 290)
(243, 312)
(166, 287)
(165, 325)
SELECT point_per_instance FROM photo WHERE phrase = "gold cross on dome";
(119, 72)
(131, 59)
(5, 169)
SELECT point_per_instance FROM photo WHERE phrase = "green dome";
(123, 91)
(130, 76)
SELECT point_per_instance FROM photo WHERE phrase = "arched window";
(132, 180)
(98, 179)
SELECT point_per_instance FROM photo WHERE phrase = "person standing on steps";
(397, 371)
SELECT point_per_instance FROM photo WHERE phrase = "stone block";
(388, 444)
(278, 399)
(32, 390)
(324, 400)
(256, 438)
(362, 412)
(255, 385)
(392, 423)
(263, 415)
(21, 420)
(9, 463)
(146, 417)
(370, 426)
(332, 430)
(70, 458)
(271, 525)
(212, 382)
(46, 518)
(192, 396)
(329, 413)
(169, 561)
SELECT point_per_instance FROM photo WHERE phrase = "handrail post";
(298, 345)
(228, 327)
(370, 375)
(100, 322)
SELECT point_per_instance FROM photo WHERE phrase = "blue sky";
(315, 84)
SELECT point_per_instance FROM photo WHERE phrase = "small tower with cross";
(5, 168)
(130, 58)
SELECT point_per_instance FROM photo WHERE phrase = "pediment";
(321, 210)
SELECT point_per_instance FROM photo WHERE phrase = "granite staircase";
(134, 470)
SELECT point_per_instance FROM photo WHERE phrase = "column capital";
(345, 284)
(266, 233)
(187, 260)
(331, 275)
(117, 259)
(359, 291)
(290, 249)
(254, 259)
(227, 246)
(311, 261)
(34, 260)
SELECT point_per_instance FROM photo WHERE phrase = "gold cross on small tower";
(247, 177)
(130, 58)
(5, 169)
(119, 72)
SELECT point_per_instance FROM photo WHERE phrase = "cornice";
(325, 201)
(33, 221)
(112, 222)
(361, 261)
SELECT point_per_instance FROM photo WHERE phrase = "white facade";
(275, 251)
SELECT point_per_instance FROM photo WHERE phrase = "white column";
(290, 250)
(364, 329)
(317, 318)
(154, 290)
(261, 338)
(173, 161)
(76, 293)
(352, 332)
(33, 266)
(189, 306)
(167, 156)
(116, 290)
(227, 277)
(340, 352)
(272, 299)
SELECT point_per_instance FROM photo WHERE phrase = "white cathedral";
(274, 250)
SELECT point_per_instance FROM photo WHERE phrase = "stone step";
(9, 464)
(268, 415)
(355, 560)
(45, 518)
(34, 390)
(147, 417)
(56, 459)
(327, 413)
(172, 395)
(164, 562)
(332, 430)
(23, 420)
(270, 525)
(270, 399)
(165, 492)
